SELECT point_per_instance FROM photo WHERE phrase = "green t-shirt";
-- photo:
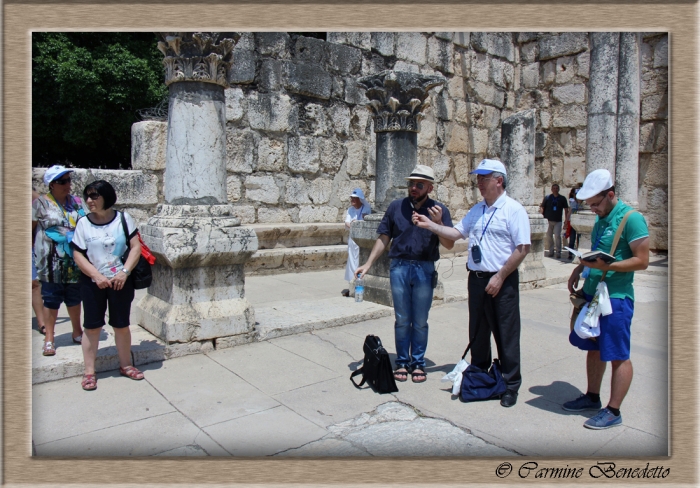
(619, 283)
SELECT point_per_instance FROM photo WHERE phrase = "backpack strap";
(618, 233)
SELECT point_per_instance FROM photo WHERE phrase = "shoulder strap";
(618, 233)
(126, 232)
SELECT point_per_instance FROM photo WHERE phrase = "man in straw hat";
(613, 344)
(413, 254)
(498, 229)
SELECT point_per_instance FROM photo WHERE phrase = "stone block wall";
(653, 138)
(299, 137)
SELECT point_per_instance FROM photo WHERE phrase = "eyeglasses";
(480, 178)
(93, 196)
(62, 181)
(599, 202)
(417, 184)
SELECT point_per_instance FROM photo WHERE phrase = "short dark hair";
(105, 190)
(605, 192)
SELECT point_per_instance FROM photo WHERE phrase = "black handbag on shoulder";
(376, 368)
(141, 275)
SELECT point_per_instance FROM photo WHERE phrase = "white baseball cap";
(422, 172)
(595, 182)
(358, 193)
(55, 172)
(488, 166)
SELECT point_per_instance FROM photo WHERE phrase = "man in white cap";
(359, 207)
(498, 229)
(412, 276)
(613, 344)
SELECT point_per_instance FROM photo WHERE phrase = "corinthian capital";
(398, 99)
(197, 56)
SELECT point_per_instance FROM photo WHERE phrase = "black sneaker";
(509, 398)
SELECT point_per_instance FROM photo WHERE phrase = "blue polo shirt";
(409, 241)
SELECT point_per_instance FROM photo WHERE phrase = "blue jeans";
(412, 292)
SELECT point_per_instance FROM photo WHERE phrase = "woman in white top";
(359, 207)
(100, 242)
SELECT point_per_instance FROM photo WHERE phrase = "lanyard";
(483, 229)
(597, 239)
(67, 215)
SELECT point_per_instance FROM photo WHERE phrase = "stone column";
(197, 298)
(601, 130)
(628, 107)
(397, 101)
(518, 155)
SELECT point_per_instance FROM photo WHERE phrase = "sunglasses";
(418, 185)
(62, 181)
(93, 196)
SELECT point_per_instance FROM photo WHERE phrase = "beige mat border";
(21, 17)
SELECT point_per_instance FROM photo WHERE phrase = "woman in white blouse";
(100, 242)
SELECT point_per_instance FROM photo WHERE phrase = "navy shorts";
(615, 332)
(54, 294)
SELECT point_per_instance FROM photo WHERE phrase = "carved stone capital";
(398, 99)
(197, 56)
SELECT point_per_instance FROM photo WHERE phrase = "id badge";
(555, 208)
(476, 254)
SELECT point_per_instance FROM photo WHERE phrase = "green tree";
(86, 90)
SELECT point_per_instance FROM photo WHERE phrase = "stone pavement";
(290, 395)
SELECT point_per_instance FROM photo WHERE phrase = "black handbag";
(141, 275)
(479, 384)
(376, 368)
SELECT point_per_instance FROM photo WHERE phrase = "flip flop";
(78, 340)
(42, 330)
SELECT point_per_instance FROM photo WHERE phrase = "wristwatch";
(126, 271)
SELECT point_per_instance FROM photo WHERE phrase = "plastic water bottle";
(359, 288)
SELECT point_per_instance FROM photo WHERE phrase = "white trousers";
(353, 260)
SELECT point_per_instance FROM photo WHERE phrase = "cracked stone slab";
(396, 429)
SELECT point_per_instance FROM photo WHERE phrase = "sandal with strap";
(49, 349)
(401, 375)
(89, 382)
(131, 372)
(418, 376)
(42, 330)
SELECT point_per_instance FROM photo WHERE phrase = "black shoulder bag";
(376, 369)
(141, 275)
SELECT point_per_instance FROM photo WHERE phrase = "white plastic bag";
(456, 376)
(604, 305)
(586, 325)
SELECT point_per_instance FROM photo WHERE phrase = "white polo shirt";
(504, 226)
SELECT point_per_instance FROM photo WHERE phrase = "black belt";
(482, 274)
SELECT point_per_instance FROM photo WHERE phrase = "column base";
(531, 270)
(583, 223)
(195, 321)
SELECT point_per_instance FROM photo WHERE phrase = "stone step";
(294, 259)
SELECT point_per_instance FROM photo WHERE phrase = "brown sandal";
(131, 372)
(89, 382)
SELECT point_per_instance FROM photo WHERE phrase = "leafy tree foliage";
(86, 90)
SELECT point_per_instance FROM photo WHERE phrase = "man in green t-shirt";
(613, 344)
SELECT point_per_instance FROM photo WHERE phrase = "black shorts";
(96, 301)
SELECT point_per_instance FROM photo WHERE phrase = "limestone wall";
(299, 138)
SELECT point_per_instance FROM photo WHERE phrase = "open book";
(592, 255)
